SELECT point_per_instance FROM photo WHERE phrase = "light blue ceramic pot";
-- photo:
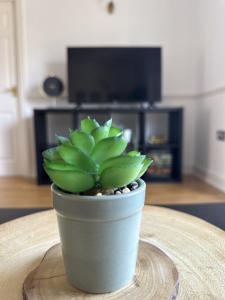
(99, 237)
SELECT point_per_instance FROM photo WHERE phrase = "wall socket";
(220, 135)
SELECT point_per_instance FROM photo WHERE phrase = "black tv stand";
(114, 105)
(44, 137)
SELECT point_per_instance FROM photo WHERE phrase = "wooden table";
(196, 247)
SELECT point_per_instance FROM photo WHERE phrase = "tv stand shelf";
(69, 117)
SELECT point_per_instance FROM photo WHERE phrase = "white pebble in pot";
(125, 190)
(117, 192)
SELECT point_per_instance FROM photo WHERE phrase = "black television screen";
(113, 74)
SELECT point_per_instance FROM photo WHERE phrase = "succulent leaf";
(121, 161)
(119, 176)
(51, 154)
(115, 131)
(134, 153)
(82, 140)
(61, 139)
(77, 158)
(71, 181)
(88, 124)
(107, 148)
(108, 123)
(100, 133)
(146, 164)
(62, 166)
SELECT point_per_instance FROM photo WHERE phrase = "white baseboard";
(212, 178)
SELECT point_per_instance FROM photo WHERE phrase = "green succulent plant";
(93, 156)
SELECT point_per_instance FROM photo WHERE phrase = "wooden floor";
(17, 192)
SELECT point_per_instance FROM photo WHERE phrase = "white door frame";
(21, 78)
(21, 59)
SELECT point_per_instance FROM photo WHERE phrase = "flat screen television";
(114, 74)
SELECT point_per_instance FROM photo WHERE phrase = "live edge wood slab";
(156, 278)
(196, 248)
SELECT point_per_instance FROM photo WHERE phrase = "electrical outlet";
(220, 134)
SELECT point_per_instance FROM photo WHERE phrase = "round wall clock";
(53, 86)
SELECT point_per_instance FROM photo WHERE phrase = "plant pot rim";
(60, 193)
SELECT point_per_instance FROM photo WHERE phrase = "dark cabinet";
(155, 131)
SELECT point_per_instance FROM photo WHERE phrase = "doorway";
(8, 91)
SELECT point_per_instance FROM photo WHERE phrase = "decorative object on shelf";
(88, 170)
(162, 166)
(153, 267)
(53, 86)
(157, 140)
(111, 7)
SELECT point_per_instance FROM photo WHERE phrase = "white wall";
(170, 24)
(52, 25)
(211, 18)
(209, 152)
